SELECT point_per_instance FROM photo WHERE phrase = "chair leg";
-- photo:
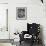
(20, 42)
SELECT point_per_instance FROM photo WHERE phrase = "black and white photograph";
(21, 13)
(22, 22)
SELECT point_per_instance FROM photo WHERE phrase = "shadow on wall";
(41, 34)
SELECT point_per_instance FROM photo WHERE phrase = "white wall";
(3, 1)
(35, 13)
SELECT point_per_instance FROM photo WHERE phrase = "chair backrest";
(33, 28)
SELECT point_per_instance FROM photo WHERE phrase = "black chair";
(32, 29)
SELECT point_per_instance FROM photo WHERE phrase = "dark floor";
(29, 44)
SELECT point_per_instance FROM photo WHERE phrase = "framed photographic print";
(21, 13)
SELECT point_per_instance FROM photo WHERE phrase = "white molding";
(3, 3)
